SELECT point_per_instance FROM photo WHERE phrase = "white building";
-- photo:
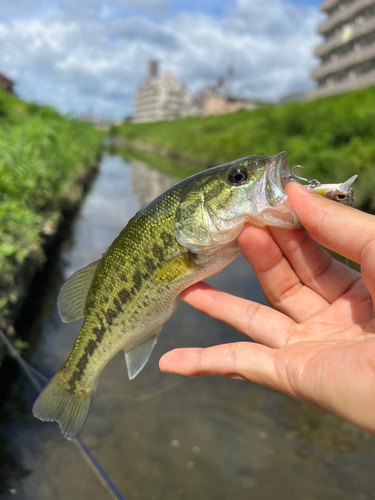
(162, 98)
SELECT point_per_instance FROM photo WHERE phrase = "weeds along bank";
(44, 159)
(333, 138)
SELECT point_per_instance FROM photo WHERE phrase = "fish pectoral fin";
(73, 294)
(137, 357)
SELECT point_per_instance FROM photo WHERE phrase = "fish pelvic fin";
(69, 409)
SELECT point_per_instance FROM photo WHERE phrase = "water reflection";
(147, 184)
(170, 167)
(162, 436)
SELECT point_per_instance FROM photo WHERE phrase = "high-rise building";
(162, 98)
(347, 53)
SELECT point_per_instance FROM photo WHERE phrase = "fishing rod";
(102, 475)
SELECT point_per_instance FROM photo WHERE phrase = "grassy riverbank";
(44, 159)
(332, 137)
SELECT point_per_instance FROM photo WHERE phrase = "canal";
(162, 436)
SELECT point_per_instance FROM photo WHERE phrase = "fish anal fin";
(73, 294)
(137, 357)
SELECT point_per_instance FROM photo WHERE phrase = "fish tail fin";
(68, 408)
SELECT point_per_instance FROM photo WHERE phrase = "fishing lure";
(338, 192)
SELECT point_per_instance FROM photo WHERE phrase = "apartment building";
(162, 98)
(347, 53)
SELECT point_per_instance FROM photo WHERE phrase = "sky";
(88, 56)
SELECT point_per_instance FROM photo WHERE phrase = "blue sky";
(219, 7)
(311, 3)
(89, 55)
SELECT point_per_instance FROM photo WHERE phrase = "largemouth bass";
(185, 235)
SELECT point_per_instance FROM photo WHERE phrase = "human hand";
(318, 343)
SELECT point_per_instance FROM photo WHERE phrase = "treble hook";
(312, 182)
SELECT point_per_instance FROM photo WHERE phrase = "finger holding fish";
(331, 225)
(280, 283)
(259, 322)
(297, 276)
(289, 264)
(271, 327)
(314, 267)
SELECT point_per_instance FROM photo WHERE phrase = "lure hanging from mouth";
(341, 192)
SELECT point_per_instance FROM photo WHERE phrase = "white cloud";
(140, 29)
(85, 54)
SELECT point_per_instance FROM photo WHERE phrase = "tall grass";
(42, 155)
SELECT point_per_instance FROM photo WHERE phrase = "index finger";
(339, 228)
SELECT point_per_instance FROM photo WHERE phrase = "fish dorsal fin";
(137, 357)
(73, 294)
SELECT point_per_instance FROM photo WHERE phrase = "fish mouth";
(278, 171)
(278, 176)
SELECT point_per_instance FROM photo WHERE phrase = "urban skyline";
(164, 97)
(85, 55)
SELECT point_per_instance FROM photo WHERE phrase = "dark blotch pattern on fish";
(150, 264)
(81, 363)
(124, 295)
(99, 333)
(117, 304)
(110, 316)
(137, 279)
(168, 239)
(158, 252)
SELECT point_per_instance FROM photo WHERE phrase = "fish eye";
(237, 175)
